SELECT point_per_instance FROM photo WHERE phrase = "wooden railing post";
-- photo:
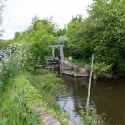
(90, 77)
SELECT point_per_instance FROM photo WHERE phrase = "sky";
(18, 14)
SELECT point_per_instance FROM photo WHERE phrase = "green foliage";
(90, 117)
(37, 40)
(61, 32)
(121, 63)
(4, 44)
(16, 100)
(107, 22)
(39, 30)
(77, 35)
(15, 110)
(37, 51)
(15, 64)
(101, 34)
(102, 70)
(15, 91)
(17, 94)
(49, 84)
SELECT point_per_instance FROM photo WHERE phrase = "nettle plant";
(16, 62)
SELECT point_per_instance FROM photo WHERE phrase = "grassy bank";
(21, 91)
(18, 96)
(48, 86)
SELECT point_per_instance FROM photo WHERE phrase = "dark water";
(107, 96)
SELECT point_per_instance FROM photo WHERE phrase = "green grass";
(48, 86)
(22, 92)
(17, 98)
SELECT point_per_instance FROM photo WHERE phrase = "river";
(107, 96)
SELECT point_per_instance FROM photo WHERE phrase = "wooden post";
(90, 77)
(61, 52)
(53, 52)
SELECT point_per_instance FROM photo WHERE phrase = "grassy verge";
(20, 93)
(48, 86)
(17, 96)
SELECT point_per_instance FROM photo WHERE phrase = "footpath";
(48, 119)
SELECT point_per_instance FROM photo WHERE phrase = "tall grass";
(90, 117)
(16, 100)
(49, 86)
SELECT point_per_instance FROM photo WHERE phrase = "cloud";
(18, 13)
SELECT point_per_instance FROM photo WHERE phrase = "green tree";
(108, 40)
(4, 44)
(78, 35)
(102, 34)
(37, 39)
(61, 32)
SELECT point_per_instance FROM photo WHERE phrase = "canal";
(107, 96)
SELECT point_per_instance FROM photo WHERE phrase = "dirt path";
(48, 119)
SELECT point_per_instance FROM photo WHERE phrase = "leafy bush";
(102, 70)
(15, 64)
(90, 117)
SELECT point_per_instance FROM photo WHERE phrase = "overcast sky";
(18, 14)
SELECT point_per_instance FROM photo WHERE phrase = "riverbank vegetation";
(101, 34)
(21, 90)
(90, 117)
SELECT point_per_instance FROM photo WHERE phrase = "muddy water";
(107, 96)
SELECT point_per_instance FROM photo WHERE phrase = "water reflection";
(107, 96)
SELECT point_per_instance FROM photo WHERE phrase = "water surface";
(107, 96)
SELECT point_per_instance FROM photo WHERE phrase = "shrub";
(102, 70)
(90, 117)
